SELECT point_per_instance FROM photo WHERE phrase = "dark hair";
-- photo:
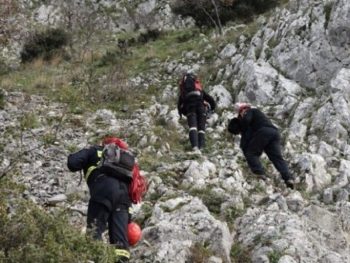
(234, 126)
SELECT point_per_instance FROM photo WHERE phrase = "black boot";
(201, 139)
(290, 183)
(193, 138)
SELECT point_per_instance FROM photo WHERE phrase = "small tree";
(218, 12)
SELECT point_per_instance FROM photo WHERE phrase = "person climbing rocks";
(259, 135)
(108, 170)
(194, 103)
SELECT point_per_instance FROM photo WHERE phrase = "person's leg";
(202, 118)
(253, 159)
(118, 224)
(193, 132)
(97, 217)
(254, 150)
(274, 153)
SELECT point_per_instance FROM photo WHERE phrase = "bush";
(204, 11)
(44, 44)
(29, 234)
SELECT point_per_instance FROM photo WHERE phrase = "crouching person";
(108, 170)
(259, 135)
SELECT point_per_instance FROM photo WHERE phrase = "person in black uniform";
(259, 135)
(109, 198)
(195, 103)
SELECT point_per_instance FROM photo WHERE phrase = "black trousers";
(196, 119)
(108, 206)
(266, 140)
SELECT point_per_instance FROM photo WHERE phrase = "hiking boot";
(290, 183)
(196, 150)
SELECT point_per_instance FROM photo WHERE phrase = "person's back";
(193, 102)
(255, 119)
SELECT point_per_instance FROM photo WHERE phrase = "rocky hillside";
(292, 62)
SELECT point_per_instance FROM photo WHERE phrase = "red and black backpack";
(190, 86)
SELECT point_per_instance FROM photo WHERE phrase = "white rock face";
(222, 97)
(228, 51)
(175, 231)
(314, 167)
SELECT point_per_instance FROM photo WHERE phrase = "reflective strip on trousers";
(201, 131)
(193, 129)
(122, 253)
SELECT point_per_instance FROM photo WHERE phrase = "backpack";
(123, 166)
(117, 162)
(190, 86)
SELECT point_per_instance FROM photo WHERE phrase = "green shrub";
(275, 256)
(29, 121)
(204, 11)
(29, 234)
(211, 199)
(44, 44)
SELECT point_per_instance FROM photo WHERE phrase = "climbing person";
(259, 135)
(194, 103)
(109, 170)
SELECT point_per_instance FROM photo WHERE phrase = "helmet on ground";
(118, 142)
(134, 233)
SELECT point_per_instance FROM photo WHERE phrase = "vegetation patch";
(29, 121)
(274, 256)
(44, 44)
(240, 254)
(211, 199)
(219, 12)
(200, 253)
(29, 234)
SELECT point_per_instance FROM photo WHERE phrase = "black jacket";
(254, 119)
(248, 125)
(84, 159)
(183, 103)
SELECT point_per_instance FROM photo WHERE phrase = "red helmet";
(134, 233)
(118, 142)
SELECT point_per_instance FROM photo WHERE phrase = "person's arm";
(180, 105)
(79, 160)
(234, 126)
(210, 100)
